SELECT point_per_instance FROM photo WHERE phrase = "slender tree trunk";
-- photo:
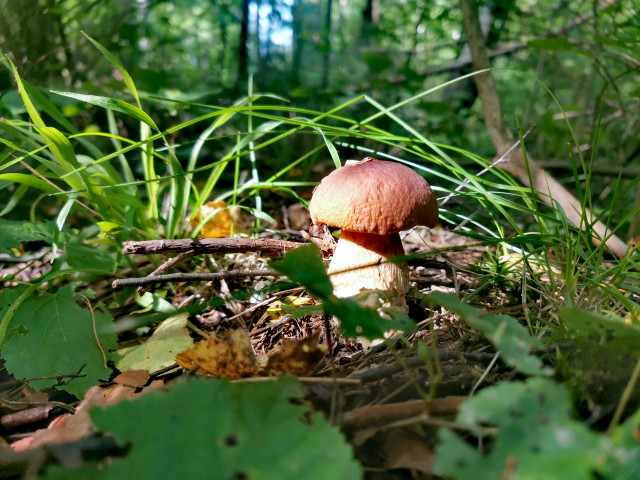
(526, 171)
(326, 57)
(297, 10)
(244, 40)
(370, 18)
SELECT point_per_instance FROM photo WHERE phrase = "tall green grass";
(142, 188)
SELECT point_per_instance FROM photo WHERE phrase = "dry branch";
(510, 47)
(191, 277)
(376, 415)
(526, 171)
(211, 245)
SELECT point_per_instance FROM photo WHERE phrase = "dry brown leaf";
(137, 378)
(228, 357)
(406, 449)
(295, 357)
(232, 357)
(222, 224)
(69, 428)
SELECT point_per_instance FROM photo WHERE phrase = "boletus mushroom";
(372, 201)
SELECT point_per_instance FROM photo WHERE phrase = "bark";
(244, 40)
(297, 10)
(507, 48)
(326, 56)
(211, 245)
(524, 170)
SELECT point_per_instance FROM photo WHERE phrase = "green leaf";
(128, 81)
(86, 258)
(623, 462)
(64, 211)
(331, 147)
(356, 320)
(33, 113)
(29, 180)
(51, 335)
(169, 339)
(224, 430)
(586, 324)
(536, 439)
(505, 333)
(554, 43)
(304, 266)
(13, 233)
(112, 104)
(154, 302)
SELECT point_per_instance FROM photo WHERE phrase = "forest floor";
(388, 401)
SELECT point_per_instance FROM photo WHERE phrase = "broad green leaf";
(304, 265)
(169, 339)
(586, 324)
(623, 460)
(554, 43)
(536, 437)
(505, 333)
(86, 258)
(356, 320)
(153, 302)
(51, 335)
(13, 233)
(112, 104)
(217, 429)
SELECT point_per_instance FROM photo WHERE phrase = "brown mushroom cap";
(374, 196)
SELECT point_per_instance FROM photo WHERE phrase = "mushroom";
(371, 201)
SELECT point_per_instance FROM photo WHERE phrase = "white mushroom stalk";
(364, 261)
(371, 201)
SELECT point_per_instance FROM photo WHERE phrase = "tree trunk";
(244, 40)
(526, 171)
(297, 10)
(326, 56)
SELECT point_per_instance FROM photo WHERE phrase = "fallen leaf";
(170, 338)
(224, 221)
(295, 357)
(69, 428)
(230, 356)
(406, 449)
(275, 310)
(133, 377)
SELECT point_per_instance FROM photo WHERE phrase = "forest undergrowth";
(518, 356)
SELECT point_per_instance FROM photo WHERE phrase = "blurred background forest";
(318, 54)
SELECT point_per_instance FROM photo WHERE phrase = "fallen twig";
(268, 246)
(173, 261)
(191, 277)
(375, 415)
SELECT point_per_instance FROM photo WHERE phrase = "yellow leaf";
(221, 223)
(230, 356)
(275, 310)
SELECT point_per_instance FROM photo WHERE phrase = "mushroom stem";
(364, 261)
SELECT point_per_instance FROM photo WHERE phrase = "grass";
(107, 187)
(103, 188)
